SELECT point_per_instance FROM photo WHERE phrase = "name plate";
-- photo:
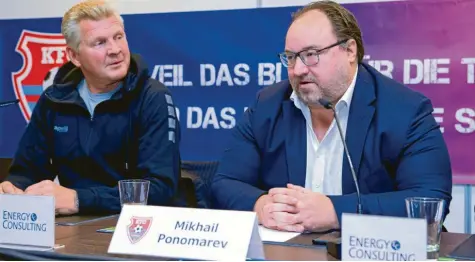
(187, 233)
(27, 221)
(369, 237)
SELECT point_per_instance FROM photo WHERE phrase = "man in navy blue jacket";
(286, 160)
(103, 120)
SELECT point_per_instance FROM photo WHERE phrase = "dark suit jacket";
(395, 144)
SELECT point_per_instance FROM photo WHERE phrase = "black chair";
(186, 194)
(201, 174)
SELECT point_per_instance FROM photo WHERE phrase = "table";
(84, 240)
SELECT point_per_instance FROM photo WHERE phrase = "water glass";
(432, 210)
(134, 191)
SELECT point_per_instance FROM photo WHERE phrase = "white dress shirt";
(325, 158)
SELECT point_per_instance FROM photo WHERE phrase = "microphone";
(334, 247)
(9, 103)
(328, 105)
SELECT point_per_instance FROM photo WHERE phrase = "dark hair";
(343, 22)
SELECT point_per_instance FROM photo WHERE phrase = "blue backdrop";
(209, 60)
(214, 63)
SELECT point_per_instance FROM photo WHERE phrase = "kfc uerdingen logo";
(138, 228)
(43, 54)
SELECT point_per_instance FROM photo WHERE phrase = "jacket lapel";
(359, 120)
(295, 143)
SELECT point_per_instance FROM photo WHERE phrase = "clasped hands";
(64, 197)
(296, 209)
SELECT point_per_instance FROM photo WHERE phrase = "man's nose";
(113, 48)
(300, 68)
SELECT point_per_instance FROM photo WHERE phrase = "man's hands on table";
(65, 198)
(8, 188)
(296, 209)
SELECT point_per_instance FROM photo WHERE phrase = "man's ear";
(73, 56)
(352, 51)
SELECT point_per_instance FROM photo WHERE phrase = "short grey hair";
(91, 9)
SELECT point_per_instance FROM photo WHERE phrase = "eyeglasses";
(309, 57)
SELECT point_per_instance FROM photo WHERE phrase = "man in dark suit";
(286, 160)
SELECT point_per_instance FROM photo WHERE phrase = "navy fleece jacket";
(135, 134)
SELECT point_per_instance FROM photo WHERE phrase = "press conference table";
(84, 240)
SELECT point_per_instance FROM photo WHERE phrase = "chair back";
(201, 173)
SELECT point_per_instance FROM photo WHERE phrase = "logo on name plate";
(396, 245)
(138, 228)
(43, 54)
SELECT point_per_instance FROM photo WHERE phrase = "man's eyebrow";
(311, 47)
(101, 37)
(303, 49)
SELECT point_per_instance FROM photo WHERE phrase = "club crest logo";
(138, 228)
(43, 54)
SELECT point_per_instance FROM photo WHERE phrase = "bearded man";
(286, 160)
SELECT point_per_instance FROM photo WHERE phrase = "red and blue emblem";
(138, 228)
(43, 54)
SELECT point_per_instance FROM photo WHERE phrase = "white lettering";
(470, 62)
(48, 53)
(190, 114)
(170, 75)
(242, 76)
(211, 70)
(227, 114)
(437, 70)
(165, 73)
(210, 118)
(239, 76)
(224, 76)
(407, 71)
(269, 73)
(427, 71)
(465, 116)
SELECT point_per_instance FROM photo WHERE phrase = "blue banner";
(214, 63)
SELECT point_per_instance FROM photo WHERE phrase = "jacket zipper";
(91, 127)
